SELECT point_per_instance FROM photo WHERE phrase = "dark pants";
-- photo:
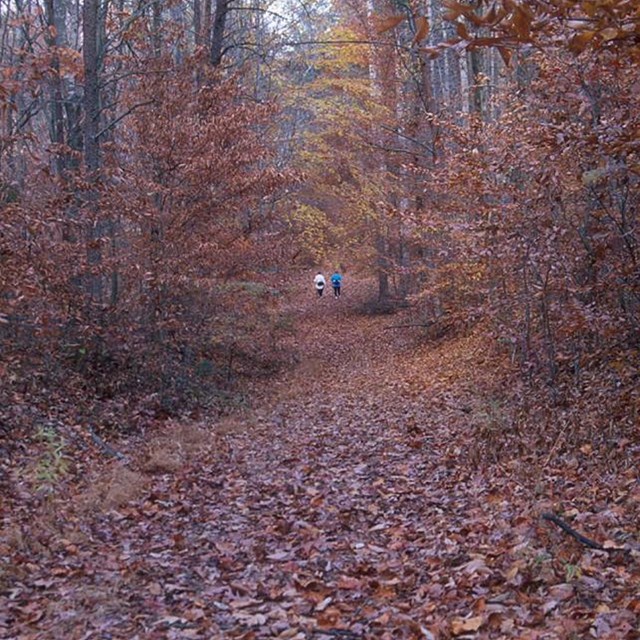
(336, 290)
(320, 291)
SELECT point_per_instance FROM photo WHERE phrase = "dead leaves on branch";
(507, 24)
(388, 23)
(419, 23)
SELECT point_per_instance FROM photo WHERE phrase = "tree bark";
(56, 116)
(197, 22)
(91, 86)
(218, 31)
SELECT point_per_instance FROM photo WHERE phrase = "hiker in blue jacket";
(336, 281)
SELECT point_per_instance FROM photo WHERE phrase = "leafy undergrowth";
(355, 500)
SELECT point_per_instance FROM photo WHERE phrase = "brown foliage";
(152, 285)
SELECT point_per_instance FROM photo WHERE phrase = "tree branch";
(572, 532)
(377, 43)
(107, 448)
(113, 123)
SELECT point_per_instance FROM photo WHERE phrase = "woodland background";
(163, 163)
(172, 174)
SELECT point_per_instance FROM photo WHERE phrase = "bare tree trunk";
(197, 22)
(157, 27)
(465, 83)
(206, 22)
(91, 86)
(178, 16)
(56, 116)
(91, 104)
(381, 233)
(218, 31)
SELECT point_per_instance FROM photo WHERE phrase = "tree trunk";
(218, 31)
(156, 10)
(56, 116)
(197, 22)
(91, 86)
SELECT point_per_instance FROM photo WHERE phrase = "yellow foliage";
(311, 225)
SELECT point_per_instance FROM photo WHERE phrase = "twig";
(406, 326)
(572, 532)
(113, 123)
(107, 448)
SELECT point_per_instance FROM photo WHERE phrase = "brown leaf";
(462, 30)
(579, 41)
(386, 24)
(460, 625)
(454, 10)
(422, 29)
(155, 589)
(348, 582)
(505, 54)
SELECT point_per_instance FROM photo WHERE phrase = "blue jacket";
(336, 279)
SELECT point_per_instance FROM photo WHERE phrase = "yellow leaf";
(460, 625)
(385, 24)
(610, 33)
(422, 29)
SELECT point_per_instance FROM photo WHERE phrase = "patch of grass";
(169, 452)
(52, 465)
(114, 489)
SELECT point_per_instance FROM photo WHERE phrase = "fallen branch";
(572, 532)
(107, 448)
(406, 326)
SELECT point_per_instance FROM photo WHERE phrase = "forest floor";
(354, 499)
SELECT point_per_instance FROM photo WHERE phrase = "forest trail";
(348, 503)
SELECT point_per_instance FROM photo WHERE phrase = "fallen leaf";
(460, 625)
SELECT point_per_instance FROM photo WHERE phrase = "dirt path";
(345, 505)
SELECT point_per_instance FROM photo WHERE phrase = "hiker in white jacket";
(320, 283)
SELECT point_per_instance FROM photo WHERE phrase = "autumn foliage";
(141, 281)
(194, 445)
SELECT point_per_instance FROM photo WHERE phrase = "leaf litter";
(350, 503)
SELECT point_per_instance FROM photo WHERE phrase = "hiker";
(336, 281)
(320, 282)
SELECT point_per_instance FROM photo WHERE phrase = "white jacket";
(319, 281)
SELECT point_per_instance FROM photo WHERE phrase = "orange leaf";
(461, 29)
(385, 24)
(422, 29)
(460, 625)
(505, 55)
(580, 41)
